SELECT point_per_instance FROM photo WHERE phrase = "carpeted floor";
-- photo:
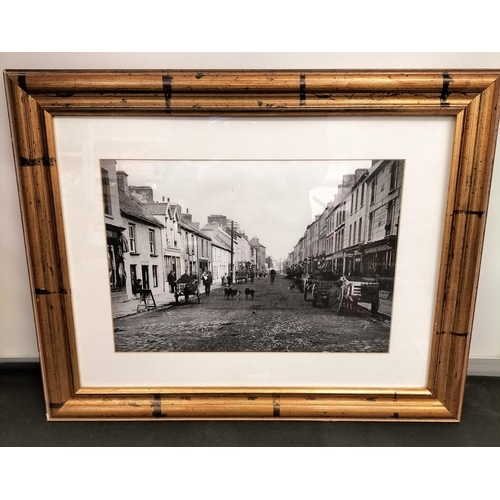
(23, 423)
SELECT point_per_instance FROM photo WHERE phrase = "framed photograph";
(254, 244)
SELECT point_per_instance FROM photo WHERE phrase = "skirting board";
(485, 367)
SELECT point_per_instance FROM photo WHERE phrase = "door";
(133, 275)
(145, 277)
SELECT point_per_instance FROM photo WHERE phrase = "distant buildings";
(258, 255)
(147, 239)
(357, 231)
(242, 257)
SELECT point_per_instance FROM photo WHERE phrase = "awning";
(379, 248)
(383, 245)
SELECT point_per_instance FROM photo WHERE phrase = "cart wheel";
(198, 297)
(176, 299)
(375, 307)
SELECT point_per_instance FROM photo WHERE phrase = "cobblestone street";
(276, 320)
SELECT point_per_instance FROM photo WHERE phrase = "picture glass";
(252, 256)
(175, 206)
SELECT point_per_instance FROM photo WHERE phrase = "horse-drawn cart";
(345, 295)
(307, 287)
(241, 277)
(186, 286)
(324, 292)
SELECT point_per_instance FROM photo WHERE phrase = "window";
(390, 215)
(131, 238)
(372, 191)
(350, 234)
(357, 196)
(352, 202)
(360, 229)
(155, 276)
(354, 234)
(362, 195)
(106, 192)
(370, 226)
(152, 242)
(394, 176)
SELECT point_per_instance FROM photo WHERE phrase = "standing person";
(273, 275)
(230, 279)
(207, 282)
(171, 281)
(224, 280)
(137, 287)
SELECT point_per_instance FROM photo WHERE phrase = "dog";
(248, 292)
(232, 293)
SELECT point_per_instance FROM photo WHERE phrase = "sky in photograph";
(271, 200)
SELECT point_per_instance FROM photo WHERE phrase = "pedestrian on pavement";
(230, 279)
(171, 281)
(224, 280)
(137, 287)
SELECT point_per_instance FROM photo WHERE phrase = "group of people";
(207, 280)
(227, 280)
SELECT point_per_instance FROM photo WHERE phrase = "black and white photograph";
(252, 256)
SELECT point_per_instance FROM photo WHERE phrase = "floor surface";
(23, 423)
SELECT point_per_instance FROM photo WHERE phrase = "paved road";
(276, 320)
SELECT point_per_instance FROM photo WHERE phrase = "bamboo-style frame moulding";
(471, 96)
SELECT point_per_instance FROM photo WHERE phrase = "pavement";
(162, 300)
(385, 305)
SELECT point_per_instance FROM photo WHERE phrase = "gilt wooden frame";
(35, 97)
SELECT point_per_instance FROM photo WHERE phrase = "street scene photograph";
(251, 255)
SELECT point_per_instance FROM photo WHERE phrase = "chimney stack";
(121, 178)
(141, 194)
(187, 218)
